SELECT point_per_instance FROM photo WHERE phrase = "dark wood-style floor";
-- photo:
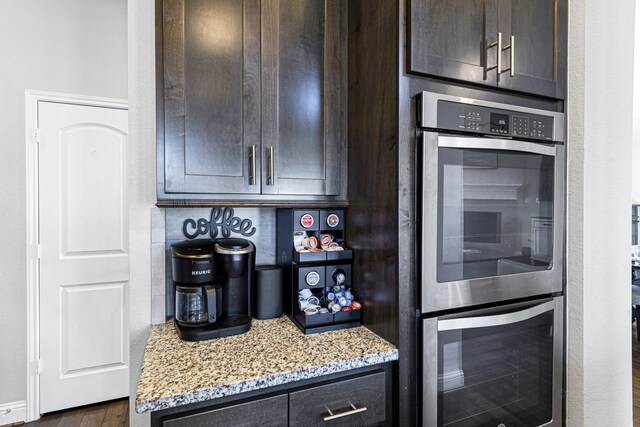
(114, 413)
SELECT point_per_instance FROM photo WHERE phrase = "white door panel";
(84, 266)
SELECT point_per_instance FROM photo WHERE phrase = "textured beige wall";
(599, 191)
(72, 46)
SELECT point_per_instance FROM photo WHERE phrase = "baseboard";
(14, 412)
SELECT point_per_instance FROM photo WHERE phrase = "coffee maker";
(213, 281)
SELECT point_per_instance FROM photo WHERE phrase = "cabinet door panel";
(266, 412)
(311, 406)
(301, 61)
(212, 95)
(447, 39)
(539, 29)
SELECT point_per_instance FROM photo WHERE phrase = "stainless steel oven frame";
(484, 318)
(439, 296)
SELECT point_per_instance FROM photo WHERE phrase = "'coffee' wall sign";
(220, 218)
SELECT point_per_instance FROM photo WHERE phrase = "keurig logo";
(200, 272)
(306, 220)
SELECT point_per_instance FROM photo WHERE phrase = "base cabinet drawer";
(359, 401)
(271, 411)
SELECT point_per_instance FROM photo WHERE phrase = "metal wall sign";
(221, 220)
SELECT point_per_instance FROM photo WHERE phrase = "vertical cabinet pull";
(497, 44)
(271, 171)
(511, 48)
(252, 160)
(499, 49)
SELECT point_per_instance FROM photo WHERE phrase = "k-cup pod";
(303, 304)
(347, 308)
(325, 240)
(306, 220)
(355, 305)
(312, 278)
(298, 237)
(310, 311)
(323, 310)
(310, 242)
(342, 301)
(331, 296)
(304, 294)
(333, 220)
(348, 295)
(336, 288)
(313, 300)
(335, 308)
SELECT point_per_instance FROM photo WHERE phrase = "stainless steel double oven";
(492, 259)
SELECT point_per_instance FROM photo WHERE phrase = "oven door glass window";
(495, 213)
(495, 375)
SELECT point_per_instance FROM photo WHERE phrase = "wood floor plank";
(112, 414)
(117, 414)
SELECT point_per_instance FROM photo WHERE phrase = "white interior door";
(84, 255)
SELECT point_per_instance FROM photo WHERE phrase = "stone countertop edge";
(264, 382)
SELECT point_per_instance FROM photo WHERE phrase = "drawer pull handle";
(351, 411)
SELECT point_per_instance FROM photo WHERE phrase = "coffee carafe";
(213, 280)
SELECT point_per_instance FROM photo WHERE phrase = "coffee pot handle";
(210, 292)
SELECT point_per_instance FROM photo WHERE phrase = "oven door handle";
(497, 320)
(496, 144)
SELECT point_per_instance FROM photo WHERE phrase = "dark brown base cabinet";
(358, 398)
(518, 45)
(251, 99)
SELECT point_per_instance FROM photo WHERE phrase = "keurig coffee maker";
(213, 280)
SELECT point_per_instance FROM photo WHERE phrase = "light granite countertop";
(273, 352)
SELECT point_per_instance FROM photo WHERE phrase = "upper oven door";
(493, 221)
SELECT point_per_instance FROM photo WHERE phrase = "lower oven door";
(494, 367)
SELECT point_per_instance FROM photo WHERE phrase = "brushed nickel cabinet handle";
(511, 67)
(497, 44)
(252, 158)
(346, 413)
(271, 169)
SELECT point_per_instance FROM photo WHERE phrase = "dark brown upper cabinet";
(519, 45)
(250, 98)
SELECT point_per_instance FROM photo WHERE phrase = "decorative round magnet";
(312, 278)
(333, 220)
(306, 220)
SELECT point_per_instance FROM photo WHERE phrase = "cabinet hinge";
(37, 136)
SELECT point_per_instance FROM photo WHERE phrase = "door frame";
(32, 98)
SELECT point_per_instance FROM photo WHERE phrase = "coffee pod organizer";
(318, 291)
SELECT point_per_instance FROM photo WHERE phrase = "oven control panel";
(465, 117)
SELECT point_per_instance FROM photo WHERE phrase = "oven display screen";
(499, 123)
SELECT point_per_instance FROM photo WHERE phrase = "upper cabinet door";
(302, 78)
(211, 96)
(449, 39)
(539, 30)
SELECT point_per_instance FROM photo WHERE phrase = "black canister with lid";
(267, 294)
